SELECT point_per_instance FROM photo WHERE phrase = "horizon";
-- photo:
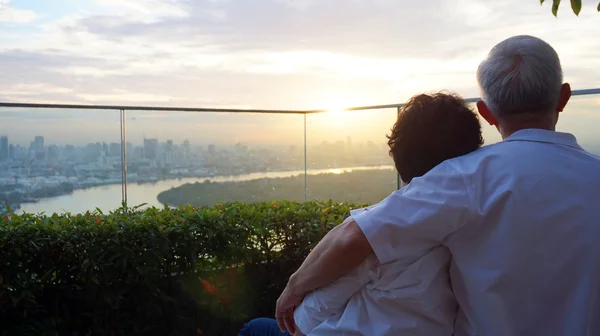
(252, 129)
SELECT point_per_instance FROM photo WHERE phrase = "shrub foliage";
(186, 271)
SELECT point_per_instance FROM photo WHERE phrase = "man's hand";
(340, 251)
(284, 313)
(298, 333)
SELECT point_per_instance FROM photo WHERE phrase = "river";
(108, 197)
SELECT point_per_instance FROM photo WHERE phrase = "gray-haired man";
(520, 217)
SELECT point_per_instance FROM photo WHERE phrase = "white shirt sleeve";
(328, 301)
(355, 212)
(418, 217)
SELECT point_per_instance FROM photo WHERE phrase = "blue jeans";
(262, 327)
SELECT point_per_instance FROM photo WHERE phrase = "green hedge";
(186, 271)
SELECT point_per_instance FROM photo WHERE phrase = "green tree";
(575, 6)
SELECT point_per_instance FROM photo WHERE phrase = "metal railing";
(228, 110)
(124, 108)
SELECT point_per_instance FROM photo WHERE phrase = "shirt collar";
(540, 135)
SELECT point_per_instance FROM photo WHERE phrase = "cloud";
(126, 96)
(281, 54)
(14, 16)
(22, 88)
(148, 10)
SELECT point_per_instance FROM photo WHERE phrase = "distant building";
(240, 148)
(38, 143)
(130, 151)
(186, 149)
(12, 151)
(136, 153)
(212, 149)
(150, 149)
(104, 161)
(68, 152)
(4, 149)
(40, 155)
(168, 153)
(53, 152)
(114, 149)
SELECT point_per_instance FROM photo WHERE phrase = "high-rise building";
(129, 147)
(186, 149)
(4, 153)
(169, 152)
(239, 147)
(114, 149)
(38, 142)
(136, 153)
(150, 149)
(53, 152)
(12, 151)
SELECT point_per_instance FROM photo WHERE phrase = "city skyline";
(45, 171)
(80, 127)
(39, 142)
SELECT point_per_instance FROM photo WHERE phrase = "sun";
(336, 115)
(337, 123)
(337, 104)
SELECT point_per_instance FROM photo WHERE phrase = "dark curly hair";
(431, 129)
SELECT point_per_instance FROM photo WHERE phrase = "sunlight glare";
(337, 106)
(336, 115)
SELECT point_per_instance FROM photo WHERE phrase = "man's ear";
(565, 95)
(485, 113)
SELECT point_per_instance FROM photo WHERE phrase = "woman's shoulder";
(408, 273)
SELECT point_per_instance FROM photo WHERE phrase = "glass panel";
(57, 160)
(581, 117)
(204, 158)
(347, 156)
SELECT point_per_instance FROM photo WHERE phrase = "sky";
(268, 54)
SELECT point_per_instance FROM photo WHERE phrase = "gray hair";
(521, 74)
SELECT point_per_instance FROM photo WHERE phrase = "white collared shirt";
(396, 298)
(521, 219)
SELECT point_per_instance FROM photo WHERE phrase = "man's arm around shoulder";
(339, 252)
(406, 224)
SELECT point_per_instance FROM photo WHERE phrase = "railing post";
(123, 157)
(305, 164)
(398, 180)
